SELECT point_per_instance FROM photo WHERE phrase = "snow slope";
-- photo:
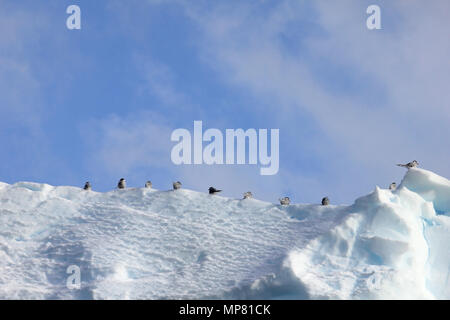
(149, 244)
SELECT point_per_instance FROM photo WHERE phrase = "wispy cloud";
(122, 144)
(159, 80)
(22, 138)
(401, 66)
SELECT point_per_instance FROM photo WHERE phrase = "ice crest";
(148, 244)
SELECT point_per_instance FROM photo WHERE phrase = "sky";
(100, 103)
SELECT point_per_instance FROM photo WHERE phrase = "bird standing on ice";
(176, 185)
(248, 195)
(213, 190)
(409, 165)
(325, 201)
(148, 184)
(393, 186)
(87, 186)
(122, 184)
(285, 201)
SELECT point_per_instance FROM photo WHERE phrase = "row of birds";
(247, 195)
(177, 185)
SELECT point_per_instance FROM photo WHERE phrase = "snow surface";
(148, 244)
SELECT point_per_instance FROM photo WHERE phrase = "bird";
(122, 184)
(409, 165)
(177, 185)
(248, 195)
(213, 190)
(148, 184)
(393, 186)
(285, 201)
(87, 186)
(325, 201)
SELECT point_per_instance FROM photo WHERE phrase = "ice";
(390, 245)
(142, 243)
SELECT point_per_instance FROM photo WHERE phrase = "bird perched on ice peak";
(409, 165)
(285, 201)
(393, 186)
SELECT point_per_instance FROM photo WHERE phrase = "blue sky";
(100, 103)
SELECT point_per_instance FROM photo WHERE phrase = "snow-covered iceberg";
(148, 244)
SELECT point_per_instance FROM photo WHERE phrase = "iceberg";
(143, 243)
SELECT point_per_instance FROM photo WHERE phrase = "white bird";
(393, 186)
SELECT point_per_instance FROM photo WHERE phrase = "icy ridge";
(148, 244)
